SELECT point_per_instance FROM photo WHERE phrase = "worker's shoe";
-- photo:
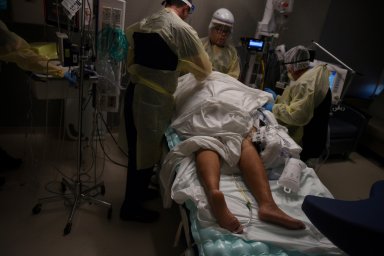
(149, 194)
(8, 162)
(135, 212)
(2, 181)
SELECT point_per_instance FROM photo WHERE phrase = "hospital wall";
(335, 24)
(301, 26)
(351, 32)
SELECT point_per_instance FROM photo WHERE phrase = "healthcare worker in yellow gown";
(15, 49)
(222, 53)
(148, 100)
(306, 92)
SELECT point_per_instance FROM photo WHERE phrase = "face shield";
(221, 27)
(219, 34)
(222, 16)
(190, 5)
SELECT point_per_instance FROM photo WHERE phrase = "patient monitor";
(254, 44)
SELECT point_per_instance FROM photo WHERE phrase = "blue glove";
(268, 106)
(71, 77)
(271, 92)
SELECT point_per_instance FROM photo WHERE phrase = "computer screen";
(337, 79)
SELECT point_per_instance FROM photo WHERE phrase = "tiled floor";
(48, 159)
(351, 179)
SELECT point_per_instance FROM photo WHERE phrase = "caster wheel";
(102, 190)
(67, 228)
(63, 187)
(36, 209)
(109, 213)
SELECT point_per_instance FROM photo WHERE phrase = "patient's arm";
(208, 170)
(255, 177)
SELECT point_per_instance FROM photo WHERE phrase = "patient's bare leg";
(256, 179)
(208, 170)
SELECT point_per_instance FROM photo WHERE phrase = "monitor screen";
(332, 77)
(337, 79)
(255, 44)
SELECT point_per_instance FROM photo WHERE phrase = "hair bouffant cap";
(297, 58)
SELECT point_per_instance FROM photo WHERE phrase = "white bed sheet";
(216, 108)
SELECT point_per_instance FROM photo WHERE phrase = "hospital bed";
(205, 113)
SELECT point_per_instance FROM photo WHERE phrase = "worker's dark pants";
(137, 180)
(316, 131)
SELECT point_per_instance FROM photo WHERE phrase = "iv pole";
(77, 189)
(76, 186)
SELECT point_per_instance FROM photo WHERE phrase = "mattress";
(260, 238)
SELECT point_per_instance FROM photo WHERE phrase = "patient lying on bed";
(254, 175)
(216, 172)
(218, 114)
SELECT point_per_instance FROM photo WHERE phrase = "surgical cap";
(297, 58)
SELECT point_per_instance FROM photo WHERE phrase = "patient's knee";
(247, 142)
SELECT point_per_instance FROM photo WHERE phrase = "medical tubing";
(248, 206)
(263, 74)
(109, 81)
(102, 146)
(247, 201)
(30, 116)
(110, 159)
(93, 163)
(113, 43)
(102, 171)
(110, 133)
(87, 102)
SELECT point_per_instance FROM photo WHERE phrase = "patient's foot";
(273, 214)
(221, 212)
